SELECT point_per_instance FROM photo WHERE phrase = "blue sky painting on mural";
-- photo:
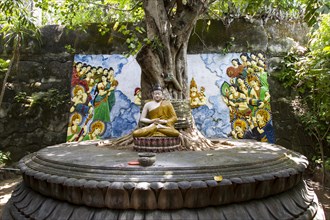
(104, 89)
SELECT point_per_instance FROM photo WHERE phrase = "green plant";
(17, 23)
(288, 75)
(70, 49)
(308, 73)
(50, 99)
(4, 157)
(318, 161)
(4, 64)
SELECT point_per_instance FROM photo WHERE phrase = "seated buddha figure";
(159, 115)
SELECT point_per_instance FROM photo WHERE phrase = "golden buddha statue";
(160, 116)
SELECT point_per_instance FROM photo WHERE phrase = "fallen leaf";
(218, 178)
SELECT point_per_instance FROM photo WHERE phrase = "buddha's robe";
(165, 112)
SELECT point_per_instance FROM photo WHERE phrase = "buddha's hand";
(158, 121)
(155, 121)
(161, 126)
(162, 121)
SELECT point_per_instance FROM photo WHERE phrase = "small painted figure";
(263, 131)
(74, 128)
(137, 96)
(79, 100)
(235, 70)
(258, 97)
(194, 99)
(202, 97)
(238, 101)
(90, 80)
(96, 130)
(239, 126)
(101, 101)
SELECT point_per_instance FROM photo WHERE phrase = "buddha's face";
(232, 89)
(239, 130)
(254, 85)
(99, 70)
(250, 70)
(111, 76)
(76, 121)
(261, 63)
(79, 65)
(89, 74)
(97, 131)
(157, 95)
(193, 89)
(260, 55)
(260, 120)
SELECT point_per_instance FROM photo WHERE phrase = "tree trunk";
(163, 61)
(323, 163)
(13, 60)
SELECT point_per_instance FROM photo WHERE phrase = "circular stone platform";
(242, 180)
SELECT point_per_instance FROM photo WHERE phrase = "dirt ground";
(7, 186)
(323, 194)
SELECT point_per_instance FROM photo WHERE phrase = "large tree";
(169, 24)
(162, 54)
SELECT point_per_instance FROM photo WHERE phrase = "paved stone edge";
(299, 202)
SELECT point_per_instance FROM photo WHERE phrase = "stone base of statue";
(242, 180)
(156, 144)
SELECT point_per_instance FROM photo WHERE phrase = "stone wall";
(45, 70)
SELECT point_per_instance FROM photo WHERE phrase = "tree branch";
(108, 6)
(186, 18)
(326, 132)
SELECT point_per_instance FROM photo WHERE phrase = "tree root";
(191, 140)
(122, 143)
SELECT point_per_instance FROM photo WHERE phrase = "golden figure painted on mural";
(197, 99)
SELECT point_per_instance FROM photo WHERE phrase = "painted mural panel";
(229, 96)
(237, 93)
(103, 87)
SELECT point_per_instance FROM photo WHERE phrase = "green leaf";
(326, 49)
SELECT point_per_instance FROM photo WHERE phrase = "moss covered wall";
(45, 70)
